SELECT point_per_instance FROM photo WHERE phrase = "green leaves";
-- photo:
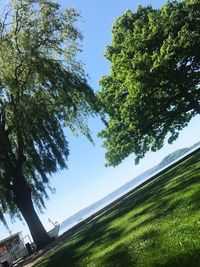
(42, 89)
(153, 89)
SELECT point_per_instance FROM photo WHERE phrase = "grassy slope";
(158, 225)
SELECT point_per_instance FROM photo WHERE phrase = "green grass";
(157, 226)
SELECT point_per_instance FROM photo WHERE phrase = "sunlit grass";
(156, 226)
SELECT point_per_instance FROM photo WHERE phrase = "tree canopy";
(43, 88)
(152, 91)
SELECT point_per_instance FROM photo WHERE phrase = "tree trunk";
(23, 200)
(22, 191)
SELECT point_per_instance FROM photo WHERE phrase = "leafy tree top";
(152, 91)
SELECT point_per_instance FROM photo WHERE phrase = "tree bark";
(23, 200)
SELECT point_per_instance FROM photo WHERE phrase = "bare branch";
(3, 23)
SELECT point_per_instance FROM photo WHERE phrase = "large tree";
(153, 90)
(42, 89)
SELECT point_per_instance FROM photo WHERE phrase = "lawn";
(157, 225)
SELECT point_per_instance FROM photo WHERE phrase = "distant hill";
(173, 156)
(126, 187)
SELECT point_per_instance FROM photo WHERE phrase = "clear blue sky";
(87, 180)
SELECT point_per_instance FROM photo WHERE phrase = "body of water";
(95, 207)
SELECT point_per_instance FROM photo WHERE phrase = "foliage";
(42, 89)
(155, 225)
(152, 91)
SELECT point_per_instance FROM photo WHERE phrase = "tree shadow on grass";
(186, 260)
(74, 253)
(147, 235)
(119, 257)
(124, 255)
